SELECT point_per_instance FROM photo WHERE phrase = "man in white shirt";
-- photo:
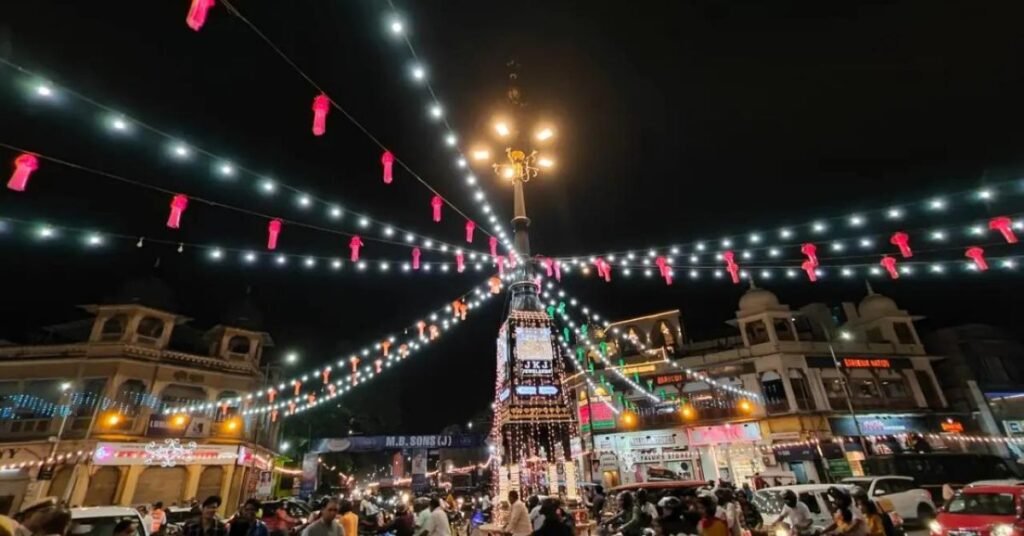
(798, 513)
(518, 517)
(437, 524)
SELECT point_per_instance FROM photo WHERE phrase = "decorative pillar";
(129, 482)
(193, 472)
(80, 485)
(225, 488)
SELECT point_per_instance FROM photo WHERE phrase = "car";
(997, 482)
(769, 501)
(660, 488)
(909, 501)
(932, 470)
(100, 520)
(981, 511)
(177, 516)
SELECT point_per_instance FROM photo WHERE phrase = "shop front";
(728, 452)
(647, 456)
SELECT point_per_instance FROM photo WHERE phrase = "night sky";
(676, 121)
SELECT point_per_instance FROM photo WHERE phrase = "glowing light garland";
(418, 73)
(348, 373)
(851, 227)
(224, 168)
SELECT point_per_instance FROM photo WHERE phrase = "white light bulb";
(250, 257)
(837, 246)
(304, 200)
(773, 252)
(118, 124)
(436, 111)
(819, 227)
(418, 72)
(364, 222)
(361, 265)
(410, 238)
(216, 254)
(281, 260)
(180, 151)
(856, 221)
(895, 213)
(47, 232)
(95, 240)
(938, 235)
(865, 242)
(937, 204)
(44, 90)
(450, 140)
(986, 194)
(310, 262)
(268, 186)
(397, 27)
(470, 179)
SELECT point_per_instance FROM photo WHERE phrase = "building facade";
(81, 415)
(797, 363)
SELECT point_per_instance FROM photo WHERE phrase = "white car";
(909, 501)
(769, 502)
(100, 520)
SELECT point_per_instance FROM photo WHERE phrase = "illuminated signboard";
(863, 362)
(670, 378)
(638, 369)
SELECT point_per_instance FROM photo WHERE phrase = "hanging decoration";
(811, 251)
(415, 258)
(495, 284)
(730, 266)
(297, 383)
(1004, 225)
(889, 263)
(178, 205)
(355, 367)
(664, 269)
(977, 255)
(24, 165)
(377, 364)
(321, 106)
(434, 332)
(387, 160)
(604, 269)
(810, 269)
(353, 245)
(492, 242)
(501, 265)
(271, 394)
(460, 262)
(273, 230)
(326, 375)
(470, 227)
(902, 241)
(421, 325)
(196, 17)
(385, 347)
(436, 202)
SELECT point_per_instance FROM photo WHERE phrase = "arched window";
(662, 335)
(757, 332)
(801, 389)
(782, 329)
(183, 395)
(131, 398)
(113, 327)
(239, 345)
(863, 384)
(151, 327)
(894, 386)
(232, 406)
(774, 392)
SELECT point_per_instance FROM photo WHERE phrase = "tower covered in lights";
(533, 417)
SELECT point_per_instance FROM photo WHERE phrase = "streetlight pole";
(846, 387)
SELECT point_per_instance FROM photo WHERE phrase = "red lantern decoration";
(889, 263)
(500, 259)
(436, 202)
(470, 227)
(178, 205)
(273, 229)
(495, 283)
(415, 258)
(387, 160)
(326, 374)
(811, 251)
(291, 407)
(665, 269)
(403, 351)
(321, 105)
(459, 309)
(197, 13)
(353, 245)
(355, 367)
(902, 241)
(977, 255)
(24, 165)
(385, 346)
(731, 266)
(298, 386)
(460, 262)
(331, 388)
(310, 398)
(493, 243)
(558, 271)
(604, 269)
(810, 269)
(271, 393)
(421, 325)
(273, 415)
(1004, 225)
(434, 332)
(547, 263)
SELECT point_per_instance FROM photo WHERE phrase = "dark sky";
(676, 120)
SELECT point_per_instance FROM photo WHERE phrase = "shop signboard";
(250, 458)
(860, 362)
(839, 468)
(139, 453)
(265, 486)
(372, 443)
(796, 453)
(162, 426)
(310, 465)
(641, 440)
(1014, 428)
(879, 425)
(608, 462)
(724, 433)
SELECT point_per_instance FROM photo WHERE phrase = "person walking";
(207, 523)
(327, 524)
(437, 525)
(158, 518)
(518, 518)
(246, 522)
(349, 519)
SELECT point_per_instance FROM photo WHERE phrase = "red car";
(982, 511)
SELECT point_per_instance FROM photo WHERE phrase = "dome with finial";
(875, 305)
(756, 300)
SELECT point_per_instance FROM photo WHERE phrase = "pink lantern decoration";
(977, 255)
(421, 325)
(273, 230)
(889, 263)
(548, 266)
(353, 245)
(493, 243)
(902, 241)
(273, 415)
(291, 407)
(811, 251)
(298, 386)
(178, 205)
(665, 269)
(436, 202)
(810, 269)
(271, 393)
(415, 258)
(500, 259)
(558, 271)
(387, 160)
(197, 13)
(1004, 225)
(321, 105)
(385, 346)
(604, 269)
(377, 364)
(24, 165)
(331, 388)
(470, 227)
(460, 262)
(326, 374)
(731, 266)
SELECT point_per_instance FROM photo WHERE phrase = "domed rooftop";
(757, 300)
(876, 305)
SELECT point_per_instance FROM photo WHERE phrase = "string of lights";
(374, 359)
(70, 457)
(962, 438)
(418, 73)
(90, 239)
(124, 126)
(324, 101)
(851, 230)
(587, 377)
